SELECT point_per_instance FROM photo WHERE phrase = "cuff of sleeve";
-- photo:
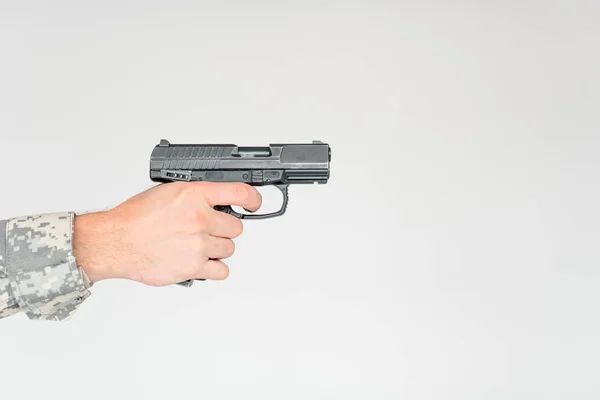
(44, 277)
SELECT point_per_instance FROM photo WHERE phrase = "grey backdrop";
(454, 254)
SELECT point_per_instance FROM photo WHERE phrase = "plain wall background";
(453, 255)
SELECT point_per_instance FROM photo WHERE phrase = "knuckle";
(187, 197)
(242, 192)
(202, 220)
(200, 247)
(190, 269)
(192, 193)
(189, 192)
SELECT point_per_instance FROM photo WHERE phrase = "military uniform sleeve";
(39, 275)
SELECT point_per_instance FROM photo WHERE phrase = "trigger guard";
(229, 210)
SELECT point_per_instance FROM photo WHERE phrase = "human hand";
(165, 235)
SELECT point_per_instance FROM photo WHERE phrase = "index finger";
(232, 194)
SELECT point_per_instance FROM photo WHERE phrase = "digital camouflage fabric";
(38, 271)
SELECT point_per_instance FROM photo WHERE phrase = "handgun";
(279, 165)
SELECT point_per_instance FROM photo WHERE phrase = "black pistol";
(279, 165)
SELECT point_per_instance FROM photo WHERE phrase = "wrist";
(94, 246)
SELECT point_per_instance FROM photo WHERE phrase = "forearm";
(96, 246)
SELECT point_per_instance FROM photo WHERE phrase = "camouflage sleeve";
(8, 304)
(39, 275)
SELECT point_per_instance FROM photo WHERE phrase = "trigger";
(229, 210)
